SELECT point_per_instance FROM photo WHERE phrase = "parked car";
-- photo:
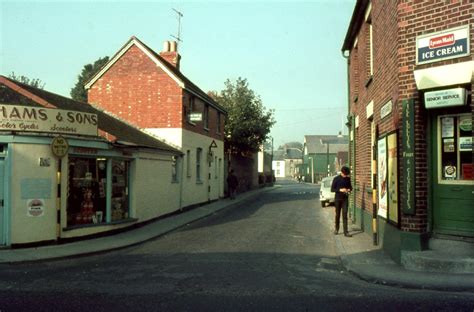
(326, 197)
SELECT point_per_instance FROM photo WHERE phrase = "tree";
(248, 123)
(35, 82)
(79, 93)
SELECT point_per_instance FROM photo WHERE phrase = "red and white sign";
(443, 45)
(442, 41)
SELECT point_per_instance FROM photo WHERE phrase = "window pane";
(120, 209)
(86, 199)
(456, 147)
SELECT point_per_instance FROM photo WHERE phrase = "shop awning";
(447, 75)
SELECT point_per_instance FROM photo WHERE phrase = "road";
(275, 253)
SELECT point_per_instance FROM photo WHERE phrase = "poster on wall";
(447, 127)
(392, 177)
(382, 177)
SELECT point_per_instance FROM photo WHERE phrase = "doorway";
(453, 176)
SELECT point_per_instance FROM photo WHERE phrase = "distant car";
(326, 197)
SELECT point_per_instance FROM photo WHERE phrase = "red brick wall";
(381, 88)
(416, 18)
(396, 23)
(140, 92)
(137, 90)
(198, 127)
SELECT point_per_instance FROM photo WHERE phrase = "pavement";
(358, 254)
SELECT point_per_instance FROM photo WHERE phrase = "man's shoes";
(347, 234)
(335, 232)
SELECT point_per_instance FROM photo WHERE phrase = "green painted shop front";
(451, 168)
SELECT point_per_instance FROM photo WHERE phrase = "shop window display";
(456, 147)
(120, 205)
(86, 202)
(87, 198)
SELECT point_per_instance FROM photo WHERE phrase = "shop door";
(452, 172)
(2, 204)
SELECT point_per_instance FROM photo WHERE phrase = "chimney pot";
(166, 46)
(173, 46)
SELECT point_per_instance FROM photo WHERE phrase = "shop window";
(86, 201)
(87, 191)
(120, 195)
(455, 147)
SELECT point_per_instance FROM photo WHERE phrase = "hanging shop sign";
(445, 98)
(446, 44)
(408, 145)
(40, 119)
(195, 117)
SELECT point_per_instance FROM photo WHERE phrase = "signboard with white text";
(442, 45)
(40, 119)
(445, 98)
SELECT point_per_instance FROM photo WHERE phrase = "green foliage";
(79, 93)
(35, 82)
(248, 122)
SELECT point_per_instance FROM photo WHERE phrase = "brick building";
(410, 108)
(148, 90)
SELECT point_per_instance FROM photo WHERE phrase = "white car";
(326, 197)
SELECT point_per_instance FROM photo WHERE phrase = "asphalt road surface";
(274, 253)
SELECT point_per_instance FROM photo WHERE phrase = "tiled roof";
(318, 144)
(121, 130)
(188, 84)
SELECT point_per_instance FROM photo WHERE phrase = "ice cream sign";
(447, 44)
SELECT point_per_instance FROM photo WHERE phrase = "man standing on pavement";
(341, 185)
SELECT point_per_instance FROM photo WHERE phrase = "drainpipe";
(352, 162)
(181, 182)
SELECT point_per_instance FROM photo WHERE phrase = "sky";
(289, 51)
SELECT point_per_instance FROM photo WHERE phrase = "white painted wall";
(278, 166)
(154, 192)
(25, 165)
(196, 192)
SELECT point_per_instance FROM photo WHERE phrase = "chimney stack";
(170, 53)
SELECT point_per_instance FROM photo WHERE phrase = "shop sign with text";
(447, 44)
(445, 98)
(408, 145)
(40, 119)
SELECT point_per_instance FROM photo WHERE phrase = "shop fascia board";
(447, 75)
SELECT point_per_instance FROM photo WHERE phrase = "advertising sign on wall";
(446, 44)
(408, 146)
(40, 119)
(382, 177)
(392, 177)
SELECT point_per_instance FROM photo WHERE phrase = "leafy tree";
(79, 93)
(248, 123)
(35, 82)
